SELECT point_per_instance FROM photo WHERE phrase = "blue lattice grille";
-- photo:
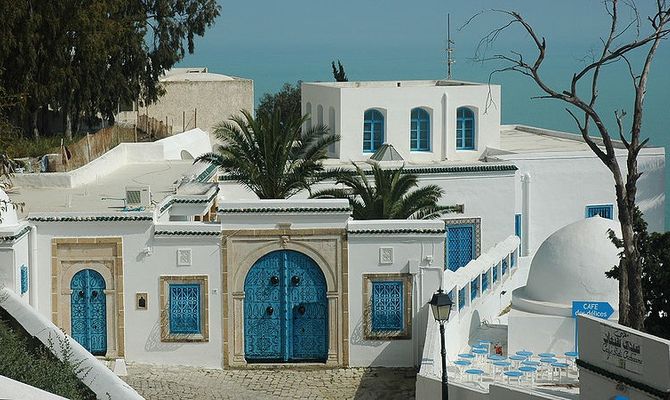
(387, 306)
(88, 311)
(460, 246)
(185, 308)
(474, 288)
(461, 298)
(605, 211)
(485, 280)
(495, 273)
(24, 279)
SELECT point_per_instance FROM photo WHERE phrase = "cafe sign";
(621, 348)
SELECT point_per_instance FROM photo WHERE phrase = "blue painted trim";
(24, 279)
(388, 306)
(185, 308)
(473, 243)
(474, 288)
(461, 298)
(604, 210)
(463, 135)
(376, 120)
(419, 116)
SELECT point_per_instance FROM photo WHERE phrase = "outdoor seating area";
(523, 368)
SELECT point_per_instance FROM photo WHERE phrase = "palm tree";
(273, 158)
(389, 197)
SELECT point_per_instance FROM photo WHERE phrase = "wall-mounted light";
(429, 259)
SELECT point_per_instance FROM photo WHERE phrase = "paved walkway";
(154, 382)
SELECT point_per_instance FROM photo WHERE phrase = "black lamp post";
(441, 305)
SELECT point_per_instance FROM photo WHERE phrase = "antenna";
(450, 50)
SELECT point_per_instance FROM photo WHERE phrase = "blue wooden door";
(285, 309)
(88, 311)
(460, 245)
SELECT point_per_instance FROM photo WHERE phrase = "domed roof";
(571, 264)
(8, 216)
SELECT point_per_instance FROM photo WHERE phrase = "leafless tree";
(582, 108)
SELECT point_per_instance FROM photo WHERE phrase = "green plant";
(26, 359)
(287, 99)
(273, 158)
(338, 72)
(389, 196)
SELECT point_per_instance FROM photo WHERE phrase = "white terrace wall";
(417, 248)
(588, 182)
(145, 258)
(14, 254)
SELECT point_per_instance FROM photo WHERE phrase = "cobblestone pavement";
(156, 382)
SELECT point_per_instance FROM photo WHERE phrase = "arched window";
(465, 129)
(331, 125)
(319, 114)
(373, 131)
(419, 130)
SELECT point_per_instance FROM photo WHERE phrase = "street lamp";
(441, 304)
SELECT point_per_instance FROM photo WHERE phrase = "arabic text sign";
(622, 349)
(598, 309)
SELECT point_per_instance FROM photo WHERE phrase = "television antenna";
(450, 50)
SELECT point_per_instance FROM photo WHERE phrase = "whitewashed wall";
(395, 103)
(420, 254)
(563, 184)
(141, 274)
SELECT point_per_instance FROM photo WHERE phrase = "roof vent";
(138, 197)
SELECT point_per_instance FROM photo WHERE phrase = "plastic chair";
(516, 359)
(529, 372)
(472, 373)
(560, 367)
(513, 374)
(499, 364)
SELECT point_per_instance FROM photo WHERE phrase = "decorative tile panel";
(184, 257)
(24, 279)
(386, 255)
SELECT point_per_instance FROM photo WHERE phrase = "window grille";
(387, 306)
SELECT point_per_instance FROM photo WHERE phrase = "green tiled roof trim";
(187, 201)
(99, 218)
(19, 235)
(396, 231)
(438, 170)
(620, 378)
(186, 233)
(284, 210)
(207, 173)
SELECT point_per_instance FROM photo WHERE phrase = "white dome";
(8, 216)
(571, 264)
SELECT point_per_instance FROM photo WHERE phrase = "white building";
(198, 273)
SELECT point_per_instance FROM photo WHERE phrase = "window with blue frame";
(495, 273)
(486, 277)
(419, 130)
(184, 308)
(474, 289)
(460, 245)
(513, 257)
(461, 298)
(373, 130)
(517, 227)
(465, 129)
(504, 265)
(387, 306)
(603, 210)
(24, 279)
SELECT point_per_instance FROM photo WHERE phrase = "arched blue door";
(88, 311)
(285, 309)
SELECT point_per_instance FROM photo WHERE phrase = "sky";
(273, 42)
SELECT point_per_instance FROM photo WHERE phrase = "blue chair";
(559, 367)
(513, 374)
(524, 353)
(472, 373)
(468, 356)
(546, 355)
(516, 359)
(530, 372)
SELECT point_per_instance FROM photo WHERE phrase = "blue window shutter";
(474, 288)
(495, 273)
(513, 259)
(465, 129)
(604, 210)
(517, 228)
(485, 281)
(461, 298)
(24, 279)
(460, 245)
(387, 306)
(373, 130)
(419, 130)
(185, 308)
(504, 265)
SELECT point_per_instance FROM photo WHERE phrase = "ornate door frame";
(103, 255)
(240, 251)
